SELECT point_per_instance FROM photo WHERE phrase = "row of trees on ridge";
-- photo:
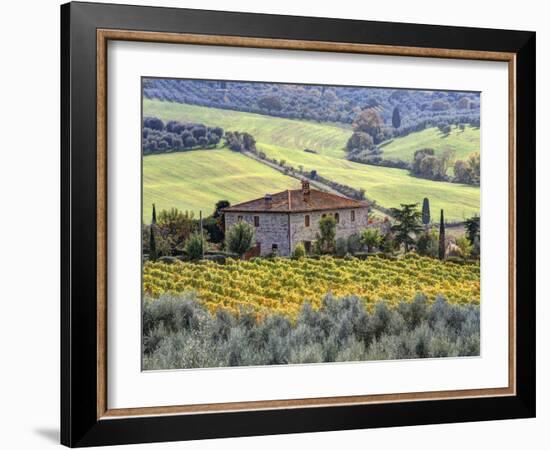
(158, 137)
(323, 103)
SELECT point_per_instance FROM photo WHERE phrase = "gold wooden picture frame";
(105, 35)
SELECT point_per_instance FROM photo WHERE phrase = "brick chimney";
(268, 200)
(305, 190)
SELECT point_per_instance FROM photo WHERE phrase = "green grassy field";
(462, 143)
(389, 187)
(197, 179)
(327, 139)
(181, 180)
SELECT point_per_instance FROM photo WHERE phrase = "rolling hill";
(327, 139)
(179, 174)
(197, 179)
(389, 187)
(462, 143)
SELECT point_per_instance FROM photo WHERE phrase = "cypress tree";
(426, 211)
(152, 242)
(396, 118)
(441, 237)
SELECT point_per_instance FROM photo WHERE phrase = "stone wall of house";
(344, 228)
(272, 229)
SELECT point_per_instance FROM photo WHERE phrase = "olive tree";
(325, 239)
(195, 246)
(372, 238)
(240, 238)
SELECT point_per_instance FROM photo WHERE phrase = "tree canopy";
(372, 238)
(325, 238)
(407, 223)
(240, 238)
(472, 228)
(370, 122)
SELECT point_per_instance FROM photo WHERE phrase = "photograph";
(287, 223)
(274, 223)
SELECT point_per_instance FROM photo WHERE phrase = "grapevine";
(281, 285)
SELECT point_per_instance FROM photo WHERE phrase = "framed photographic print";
(276, 224)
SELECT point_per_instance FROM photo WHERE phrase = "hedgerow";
(158, 137)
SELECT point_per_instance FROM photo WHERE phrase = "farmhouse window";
(239, 218)
(323, 216)
(353, 216)
(256, 221)
(337, 217)
(274, 247)
(306, 221)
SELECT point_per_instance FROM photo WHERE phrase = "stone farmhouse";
(284, 219)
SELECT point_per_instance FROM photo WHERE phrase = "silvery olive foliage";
(178, 332)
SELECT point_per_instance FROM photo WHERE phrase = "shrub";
(372, 238)
(468, 171)
(240, 238)
(427, 244)
(195, 246)
(238, 141)
(465, 246)
(354, 243)
(388, 244)
(153, 123)
(427, 165)
(325, 239)
(173, 229)
(341, 246)
(358, 141)
(368, 121)
(299, 251)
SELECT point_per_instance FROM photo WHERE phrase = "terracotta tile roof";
(297, 201)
